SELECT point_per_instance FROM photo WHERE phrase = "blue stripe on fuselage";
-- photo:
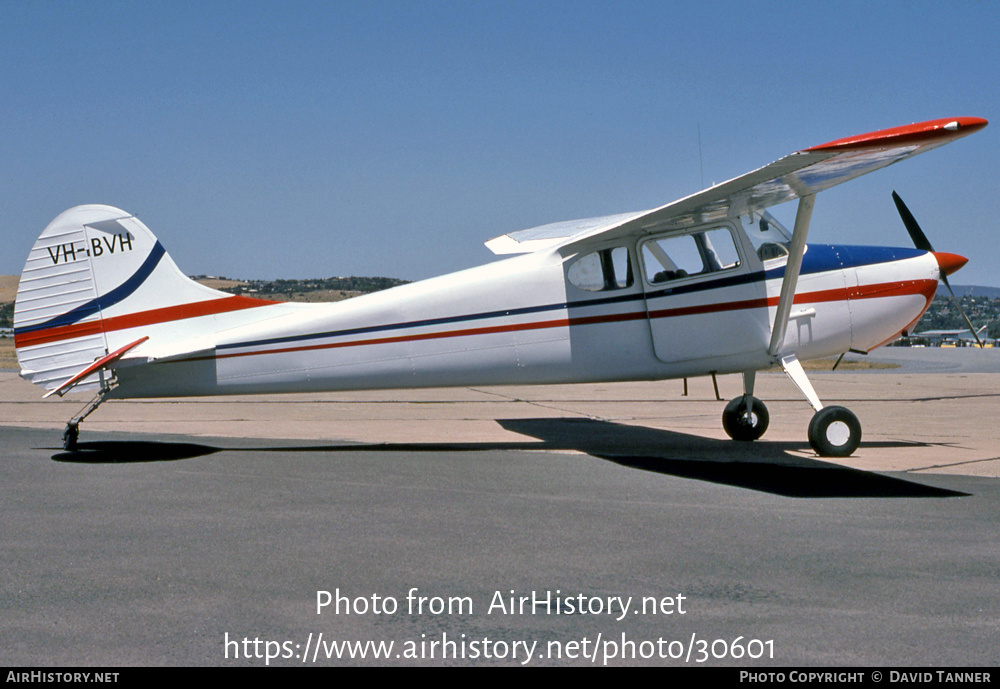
(820, 258)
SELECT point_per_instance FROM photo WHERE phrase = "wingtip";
(919, 132)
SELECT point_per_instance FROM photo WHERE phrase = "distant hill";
(314, 290)
(970, 291)
(8, 287)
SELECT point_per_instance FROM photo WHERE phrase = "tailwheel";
(834, 432)
(743, 421)
(71, 435)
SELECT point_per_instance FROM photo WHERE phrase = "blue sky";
(313, 139)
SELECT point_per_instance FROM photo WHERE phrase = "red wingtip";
(921, 132)
(949, 263)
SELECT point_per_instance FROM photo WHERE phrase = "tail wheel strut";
(72, 432)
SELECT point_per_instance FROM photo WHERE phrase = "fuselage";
(528, 320)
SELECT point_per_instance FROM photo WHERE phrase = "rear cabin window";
(607, 269)
(687, 255)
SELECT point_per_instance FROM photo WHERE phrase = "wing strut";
(796, 249)
(833, 431)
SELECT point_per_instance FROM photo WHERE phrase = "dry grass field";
(846, 365)
(7, 358)
(220, 283)
(8, 288)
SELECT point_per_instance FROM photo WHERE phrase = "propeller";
(921, 242)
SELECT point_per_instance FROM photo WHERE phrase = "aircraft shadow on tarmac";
(770, 467)
(763, 466)
(132, 452)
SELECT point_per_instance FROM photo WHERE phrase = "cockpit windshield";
(768, 236)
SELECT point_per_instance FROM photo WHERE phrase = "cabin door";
(702, 299)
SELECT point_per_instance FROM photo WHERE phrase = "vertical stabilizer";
(94, 275)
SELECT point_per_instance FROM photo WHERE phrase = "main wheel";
(834, 432)
(740, 425)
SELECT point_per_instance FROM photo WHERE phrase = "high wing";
(798, 175)
(544, 236)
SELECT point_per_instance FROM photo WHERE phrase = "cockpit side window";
(606, 269)
(698, 253)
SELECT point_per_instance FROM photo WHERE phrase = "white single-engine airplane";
(708, 284)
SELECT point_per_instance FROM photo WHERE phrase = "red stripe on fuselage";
(927, 288)
(166, 314)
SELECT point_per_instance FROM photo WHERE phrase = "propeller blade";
(921, 242)
(916, 234)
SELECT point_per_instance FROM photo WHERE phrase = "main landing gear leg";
(833, 431)
(72, 432)
(745, 417)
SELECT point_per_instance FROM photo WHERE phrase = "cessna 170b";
(708, 284)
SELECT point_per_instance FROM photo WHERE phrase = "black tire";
(70, 436)
(834, 432)
(740, 426)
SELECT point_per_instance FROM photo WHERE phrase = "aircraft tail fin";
(95, 280)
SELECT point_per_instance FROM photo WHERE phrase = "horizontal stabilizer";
(102, 363)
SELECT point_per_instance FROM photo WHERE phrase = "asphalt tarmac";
(227, 532)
